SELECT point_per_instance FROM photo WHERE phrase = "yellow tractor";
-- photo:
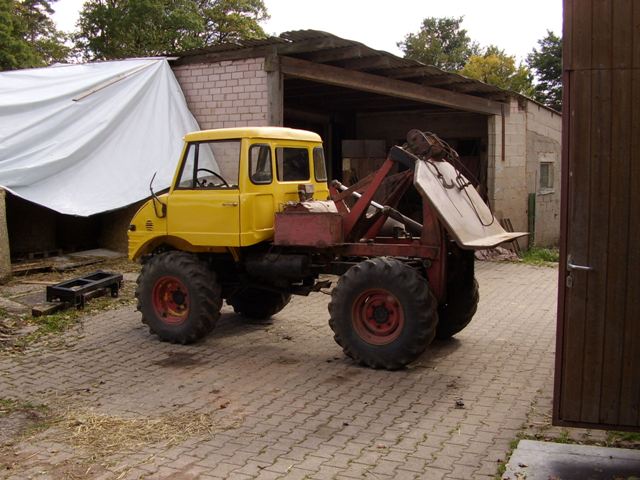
(250, 219)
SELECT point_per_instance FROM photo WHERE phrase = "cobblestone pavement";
(281, 400)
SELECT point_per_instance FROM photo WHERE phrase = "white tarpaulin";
(85, 139)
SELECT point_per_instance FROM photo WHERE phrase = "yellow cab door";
(274, 170)
(257, 213)
(204, 204)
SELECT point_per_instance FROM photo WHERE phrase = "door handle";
(229, 204)
(573, 266)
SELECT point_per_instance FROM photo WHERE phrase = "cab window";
(260, 171)
(319, 168)
(292, 164)
(210, 165)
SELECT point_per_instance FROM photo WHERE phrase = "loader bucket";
(459, 207)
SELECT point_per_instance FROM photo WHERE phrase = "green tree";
(126, 28)
(441, 43)
(547, 66)
(28, 36)
(231, 20)
(497, 68)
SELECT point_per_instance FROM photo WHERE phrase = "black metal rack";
(75, 292)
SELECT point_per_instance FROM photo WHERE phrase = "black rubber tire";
(463, 295)
(257, 303)
(418, 304)
(203, 293)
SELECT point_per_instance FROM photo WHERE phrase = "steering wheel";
(224, 182)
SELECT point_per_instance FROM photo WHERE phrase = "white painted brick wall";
(226, 94)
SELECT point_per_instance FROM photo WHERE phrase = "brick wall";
(226, 94)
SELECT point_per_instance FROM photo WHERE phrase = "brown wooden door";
(598, 355)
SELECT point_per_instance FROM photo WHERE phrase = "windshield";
(210, 165)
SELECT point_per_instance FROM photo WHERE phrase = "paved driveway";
(281, 400)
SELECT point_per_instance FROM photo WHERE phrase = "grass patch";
(502, 465)
(60, 322)
(614, 437)
(541, 256)
(9, 406)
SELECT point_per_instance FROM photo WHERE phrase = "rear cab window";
(292, 164)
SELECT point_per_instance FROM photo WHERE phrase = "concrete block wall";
(507, 176)
(226, 94)
(544, 133)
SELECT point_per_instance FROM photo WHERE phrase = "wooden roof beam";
(367, 82)
(335, 54)
(376, 62)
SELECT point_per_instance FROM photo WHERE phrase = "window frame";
(270, 163)
(549, 186)
(324, 165)
(295, 147)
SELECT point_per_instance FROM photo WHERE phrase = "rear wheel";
(178, 296)
(258, 303)
(383, 313)
(463, 295)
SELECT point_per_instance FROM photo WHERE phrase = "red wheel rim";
(170, 300)
(377, 316)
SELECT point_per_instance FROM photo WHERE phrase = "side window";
(319, 168)
(211, 165)
(260, 164)
(292, 164)
(186, 175)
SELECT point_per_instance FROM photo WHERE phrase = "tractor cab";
(228, 186)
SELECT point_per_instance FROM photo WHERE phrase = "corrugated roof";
(326, 48)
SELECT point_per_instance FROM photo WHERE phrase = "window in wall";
(546, 177)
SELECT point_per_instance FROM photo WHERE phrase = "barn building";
(361, 101)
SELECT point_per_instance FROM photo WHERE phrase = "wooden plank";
(275, 115)
(630, 388)
(635, 47)
(335, 54)
(622, 35)
(567, 126)
(377, 62)
(567, 34)
(47, 308)
(577, 216)
(618, 242)
(395, 88)
(598, 239)
(601, 34)
(581, 42)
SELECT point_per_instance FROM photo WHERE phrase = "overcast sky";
(514, 25)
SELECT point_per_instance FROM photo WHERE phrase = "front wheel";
(178, 296)
(383, 313)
